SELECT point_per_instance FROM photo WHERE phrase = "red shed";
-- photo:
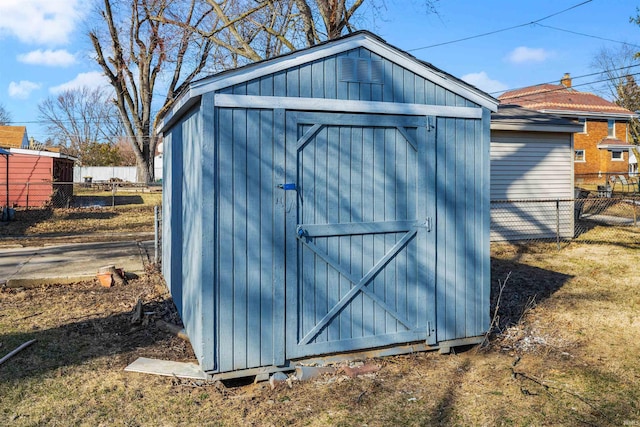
(37, 178)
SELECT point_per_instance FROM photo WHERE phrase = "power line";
(586, 35)
(524, 95)
(491, 93)
(502, 29)
(574, 78)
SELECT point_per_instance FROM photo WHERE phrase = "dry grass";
(565, 352)
(94, 217)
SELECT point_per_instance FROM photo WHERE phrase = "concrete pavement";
(68, 263)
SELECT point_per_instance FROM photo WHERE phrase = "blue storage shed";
(333, 200)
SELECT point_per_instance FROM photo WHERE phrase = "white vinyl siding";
(526, 166)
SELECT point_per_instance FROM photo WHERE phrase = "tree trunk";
(146, 171)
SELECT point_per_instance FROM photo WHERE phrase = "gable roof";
(514, 117)
(13, 136)
(328, 48)
(560, 99)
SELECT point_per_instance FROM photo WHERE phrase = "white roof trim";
(41, 153)
(614, 146)
(601, 115)
(335, 47)
(322, 104)
(536, 128)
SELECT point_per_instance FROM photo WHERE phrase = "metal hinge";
(426, 223)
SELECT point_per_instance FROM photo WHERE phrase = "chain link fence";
(596, 214)
(51, 194)
(45, 212)
(593, 217)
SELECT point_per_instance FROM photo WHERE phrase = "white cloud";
(50, 58)
(48, 22)
(91, 79)
(482, 81)
(527, 54)
(23, 89)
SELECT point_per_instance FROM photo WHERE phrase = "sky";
(44, 48)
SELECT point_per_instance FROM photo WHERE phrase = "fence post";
(558, 223)
(27, 195)
(156, 243)
(113, 194)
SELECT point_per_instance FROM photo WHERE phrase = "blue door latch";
(287, 186)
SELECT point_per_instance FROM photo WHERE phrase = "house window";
(583, 122)
(611, 128)
(579, 156)
(617, 156)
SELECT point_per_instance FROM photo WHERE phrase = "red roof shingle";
(558, 97)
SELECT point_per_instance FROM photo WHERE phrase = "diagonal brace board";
(308, 135)
(406, 136)
(359, 284)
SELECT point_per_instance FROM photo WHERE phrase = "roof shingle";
(12, 136)
(558, 97)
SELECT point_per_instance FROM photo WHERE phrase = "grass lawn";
(94, 214)
(565, 353)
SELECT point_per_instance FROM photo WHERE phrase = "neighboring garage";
(332, 200)
(36, 178)
(532, 187)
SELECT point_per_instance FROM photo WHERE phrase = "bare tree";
(138, 42)
(140, 56)
(617, 68)
(249, 30)
(613, 65)
(5, 116)
(628, 96)
(125, 153)
(78, 118)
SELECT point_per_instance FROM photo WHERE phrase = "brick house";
(603, 148)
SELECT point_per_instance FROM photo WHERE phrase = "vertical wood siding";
(250, 239)
(533, 165)
(461, 268)
(226, 219)
(192, 230)
(321, 79)
(350, 175)
(170, 267)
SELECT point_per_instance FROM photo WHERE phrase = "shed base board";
(167, 368)
(443, 346)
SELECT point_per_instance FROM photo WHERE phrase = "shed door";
(359, 234)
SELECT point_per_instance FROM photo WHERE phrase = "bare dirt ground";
(564, 352)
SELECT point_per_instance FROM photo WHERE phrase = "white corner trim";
(322, 104)
(41, 153)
